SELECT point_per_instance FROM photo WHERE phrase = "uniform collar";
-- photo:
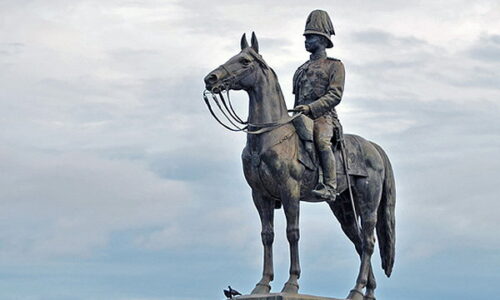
(317, 56)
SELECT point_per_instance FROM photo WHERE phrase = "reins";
(230, 114)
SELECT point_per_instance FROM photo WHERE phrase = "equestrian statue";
(306, 157)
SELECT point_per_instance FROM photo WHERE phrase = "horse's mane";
(277, 87)
(270, 76)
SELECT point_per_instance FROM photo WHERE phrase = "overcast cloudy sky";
(116, 184)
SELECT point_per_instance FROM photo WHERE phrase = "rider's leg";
(329, 169)
(323, 133)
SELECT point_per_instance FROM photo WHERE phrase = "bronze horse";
(277, 177)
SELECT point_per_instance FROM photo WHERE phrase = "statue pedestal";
(282, 296)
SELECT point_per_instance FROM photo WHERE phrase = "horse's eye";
(245, 61)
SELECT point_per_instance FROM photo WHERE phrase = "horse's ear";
(255, 43)
(244, 43)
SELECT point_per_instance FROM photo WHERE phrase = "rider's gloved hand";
(303, 108)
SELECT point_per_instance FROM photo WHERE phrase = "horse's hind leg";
(371, 285)
(368, 245)
(265, 206)
(350, 228)
(355, 237)
(368, 203)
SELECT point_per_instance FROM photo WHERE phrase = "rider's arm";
(295, 90)
(334, 93)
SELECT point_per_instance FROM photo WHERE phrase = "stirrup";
(325, 193)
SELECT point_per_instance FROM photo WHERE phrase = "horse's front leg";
(265, 206)
(290, 197)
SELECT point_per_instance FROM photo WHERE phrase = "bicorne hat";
(320, 23)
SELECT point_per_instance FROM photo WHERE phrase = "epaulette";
(302, 65)
(332, 58)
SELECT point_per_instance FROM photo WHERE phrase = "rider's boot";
(329, 187)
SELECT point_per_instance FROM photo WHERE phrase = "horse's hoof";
(355, 295)
(290, 288)
(261, 288)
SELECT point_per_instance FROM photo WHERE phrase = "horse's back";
(363, 154)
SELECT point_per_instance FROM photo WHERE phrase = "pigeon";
(229, 293)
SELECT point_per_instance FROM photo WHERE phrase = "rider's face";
(313, 42)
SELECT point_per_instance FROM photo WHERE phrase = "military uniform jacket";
(319, 84)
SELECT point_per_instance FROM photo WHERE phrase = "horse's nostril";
(211, 79)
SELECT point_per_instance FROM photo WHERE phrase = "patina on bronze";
(281, 172)
(318, 86)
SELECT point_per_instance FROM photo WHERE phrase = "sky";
(116, 183)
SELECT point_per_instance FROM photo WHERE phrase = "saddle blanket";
(355, 163)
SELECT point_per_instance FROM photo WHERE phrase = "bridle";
(236, 123)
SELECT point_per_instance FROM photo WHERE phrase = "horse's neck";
(267, 104)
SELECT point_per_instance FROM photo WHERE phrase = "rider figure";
(318, 86)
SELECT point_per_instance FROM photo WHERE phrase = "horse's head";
(240, 71)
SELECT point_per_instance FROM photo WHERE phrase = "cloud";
(384, 38)
(124, 101)
(487, 49)
(66, 204)
(105, 137)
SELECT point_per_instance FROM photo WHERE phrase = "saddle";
(355, 166)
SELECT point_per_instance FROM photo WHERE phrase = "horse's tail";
(386, 219)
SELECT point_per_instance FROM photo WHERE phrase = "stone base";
(282, 296)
